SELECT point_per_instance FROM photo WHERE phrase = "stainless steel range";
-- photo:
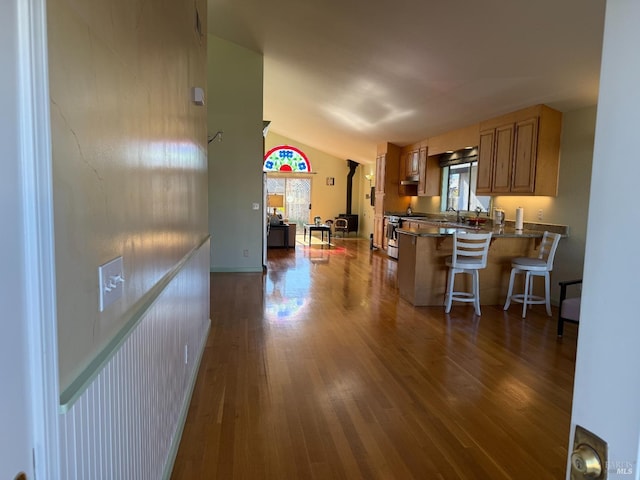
(393, 223)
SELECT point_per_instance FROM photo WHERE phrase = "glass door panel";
(297, 195)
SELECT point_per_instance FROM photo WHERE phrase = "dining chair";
(341, 225)
(569, 310)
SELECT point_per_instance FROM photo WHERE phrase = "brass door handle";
(586, 462)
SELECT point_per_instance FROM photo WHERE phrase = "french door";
(297, 197)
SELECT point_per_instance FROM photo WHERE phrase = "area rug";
(315, 241)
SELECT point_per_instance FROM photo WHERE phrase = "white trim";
(35, 141)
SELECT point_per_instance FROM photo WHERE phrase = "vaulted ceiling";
(343, 76)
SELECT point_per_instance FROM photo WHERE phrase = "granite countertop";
(405, 214)
(435, 226)
(503, 232)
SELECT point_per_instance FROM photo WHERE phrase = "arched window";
(285, 158)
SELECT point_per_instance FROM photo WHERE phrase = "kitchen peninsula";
(422, 273)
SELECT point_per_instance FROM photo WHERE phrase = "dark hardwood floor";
(317, 370)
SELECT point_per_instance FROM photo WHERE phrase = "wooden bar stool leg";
(476, 291)
(510, 292)
(449, 297)
(547, 291)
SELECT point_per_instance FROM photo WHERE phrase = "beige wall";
(235, 163)
(327, 201)
(129, 158)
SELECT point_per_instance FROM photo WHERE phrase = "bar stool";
(539, 266)
(470, 251)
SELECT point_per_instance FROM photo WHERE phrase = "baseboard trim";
(256, 269)
(182, 419)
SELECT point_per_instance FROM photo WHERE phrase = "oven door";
(392, 239)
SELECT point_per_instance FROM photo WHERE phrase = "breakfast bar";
(422, 273)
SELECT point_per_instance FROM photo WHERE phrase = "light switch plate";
(197, 96)
(110, 282)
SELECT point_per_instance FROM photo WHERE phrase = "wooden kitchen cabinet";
(387, 188)
(428, 174)
(417, 165)
(377, 231)
(388, 165)
(502, 160)
(380, 174)
(524, 156)
(385, 240)
(378, 219)
(422, 172)
(486, 148)
(411, 163)
(519, 153)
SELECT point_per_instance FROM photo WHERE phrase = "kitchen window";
(459, 188)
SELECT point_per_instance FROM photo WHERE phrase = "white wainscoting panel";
(124, 426)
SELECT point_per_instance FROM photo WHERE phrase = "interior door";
(15, 407)
(606, 388)
(28, 367)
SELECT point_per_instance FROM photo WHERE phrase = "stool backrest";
(470, 250)
(548, 248)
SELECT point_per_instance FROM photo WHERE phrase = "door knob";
(586, 462)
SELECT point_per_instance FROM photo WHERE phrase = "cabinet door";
(378, 208)
(413, 161)
(503, 159)
(486, 161)
(385, 222)
(524, 157)
(422, 172)
(377, 231)
(380, 177)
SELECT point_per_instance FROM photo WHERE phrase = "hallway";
(317, 370)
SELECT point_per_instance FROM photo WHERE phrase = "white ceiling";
(345, 75)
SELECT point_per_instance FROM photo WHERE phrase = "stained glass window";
(286, 159)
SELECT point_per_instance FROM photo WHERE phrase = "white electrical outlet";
(245, 253)
(110, 282)
(255, 206)
(540, 214)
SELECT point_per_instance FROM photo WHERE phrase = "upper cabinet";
(380, 171)
(428, 175)
(519, 153)
(411, 167)
(416, 165)
(387, 168)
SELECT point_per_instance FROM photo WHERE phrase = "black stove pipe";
(352, 171)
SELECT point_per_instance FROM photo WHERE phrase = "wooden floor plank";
(318, 370)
